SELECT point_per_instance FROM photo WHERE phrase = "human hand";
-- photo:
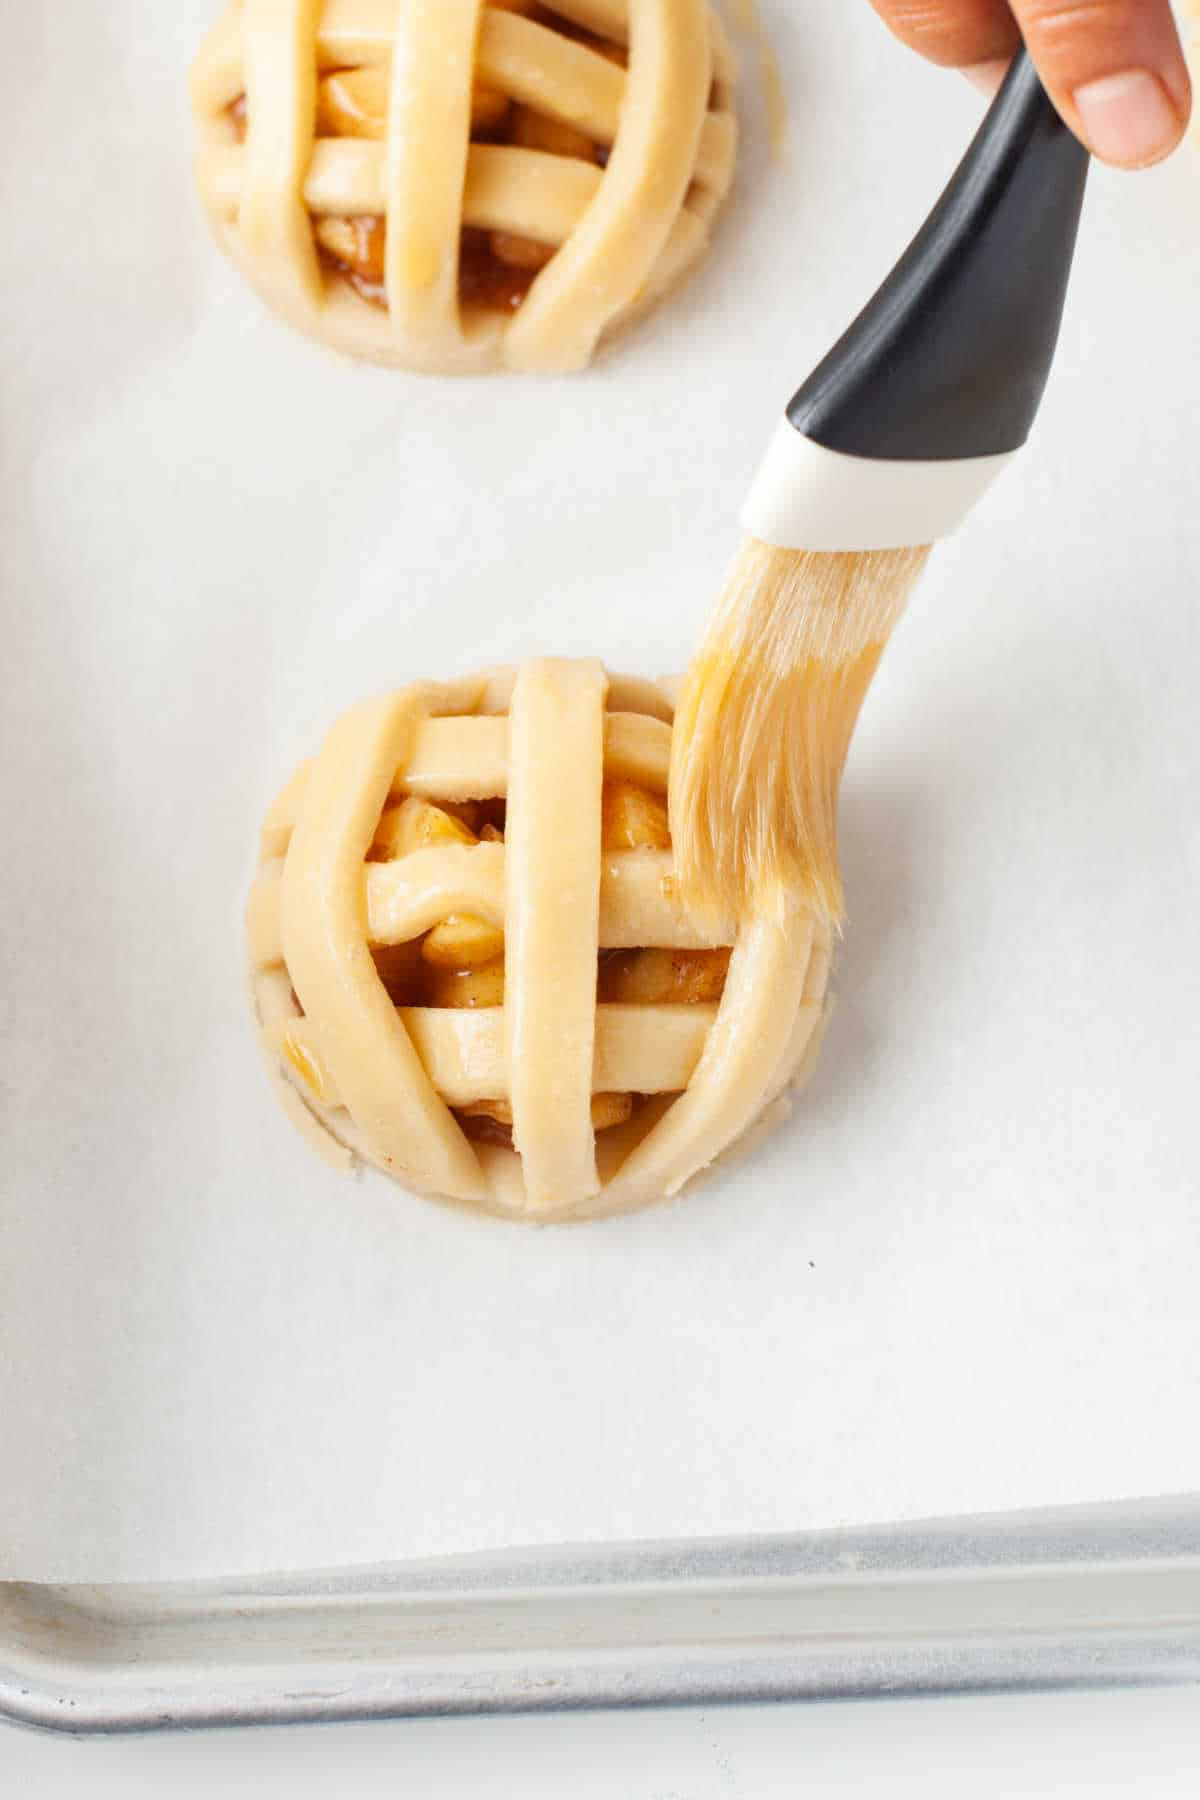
(1114, 68)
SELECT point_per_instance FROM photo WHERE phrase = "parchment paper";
(965, 1275)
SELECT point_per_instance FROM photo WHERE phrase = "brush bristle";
(765, 720)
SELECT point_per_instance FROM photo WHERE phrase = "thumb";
(1115, 71)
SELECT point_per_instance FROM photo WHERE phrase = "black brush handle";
(951, 357)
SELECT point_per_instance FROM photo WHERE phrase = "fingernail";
(987, 76)
(1128, 119)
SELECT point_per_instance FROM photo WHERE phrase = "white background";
(965, 1276)
(1044, 1747)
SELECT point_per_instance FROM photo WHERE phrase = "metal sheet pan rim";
(1104, 1595)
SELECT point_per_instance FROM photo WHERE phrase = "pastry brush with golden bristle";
(883, 451)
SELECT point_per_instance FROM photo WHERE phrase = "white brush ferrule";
(808, 498)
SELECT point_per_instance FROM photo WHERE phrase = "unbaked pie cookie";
(472, 966)
(452, 185)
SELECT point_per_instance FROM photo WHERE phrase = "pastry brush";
(883, 451)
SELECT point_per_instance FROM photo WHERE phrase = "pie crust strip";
(372, 1063)
(752, 1043)
(281, 104)
(639, 1049)
(428, 131)
(607, 262)
(640, 905)
(552, 880)
(604, 18)
(467, 759)
(507, 188)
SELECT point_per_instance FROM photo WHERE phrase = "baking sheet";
(964, 1276)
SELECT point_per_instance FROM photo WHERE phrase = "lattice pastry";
(454, 185)
(472, 966)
